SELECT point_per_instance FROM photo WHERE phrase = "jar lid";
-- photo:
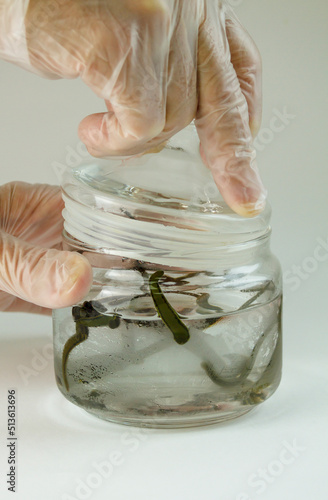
(169, 197)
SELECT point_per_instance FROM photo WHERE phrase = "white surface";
(59, 444)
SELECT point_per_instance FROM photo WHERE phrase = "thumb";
(47, 278)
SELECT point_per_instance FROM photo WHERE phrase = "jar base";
(174, 423)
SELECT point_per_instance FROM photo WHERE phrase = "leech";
(166, 312)
(85, 317)
(249, 365)
(82, 333)
(209, 368)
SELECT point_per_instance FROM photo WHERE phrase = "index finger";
(222, 119)
(246, 60)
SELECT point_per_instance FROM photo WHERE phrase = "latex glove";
(158, 64)
(35, 276)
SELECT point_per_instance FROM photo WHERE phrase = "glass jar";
(182, 326)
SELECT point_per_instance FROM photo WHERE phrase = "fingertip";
(249, 210)
(240, 184)
(76, 281)
(247, 200)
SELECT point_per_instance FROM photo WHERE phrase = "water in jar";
(129, 368)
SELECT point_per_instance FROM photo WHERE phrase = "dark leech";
(85, 317)
(80, 336)
(166, 312)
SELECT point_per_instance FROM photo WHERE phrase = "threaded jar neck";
(158, 242)
(116, 224)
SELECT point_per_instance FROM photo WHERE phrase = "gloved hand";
(35, 276)
(158, 64)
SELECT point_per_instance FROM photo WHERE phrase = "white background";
(58, 444)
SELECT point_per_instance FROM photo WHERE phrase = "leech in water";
(85, 317)
(166, 312)
(82, 333)
(209, 367)
(242, 376)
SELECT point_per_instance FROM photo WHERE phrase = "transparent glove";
(35, 276)
(158, 64)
